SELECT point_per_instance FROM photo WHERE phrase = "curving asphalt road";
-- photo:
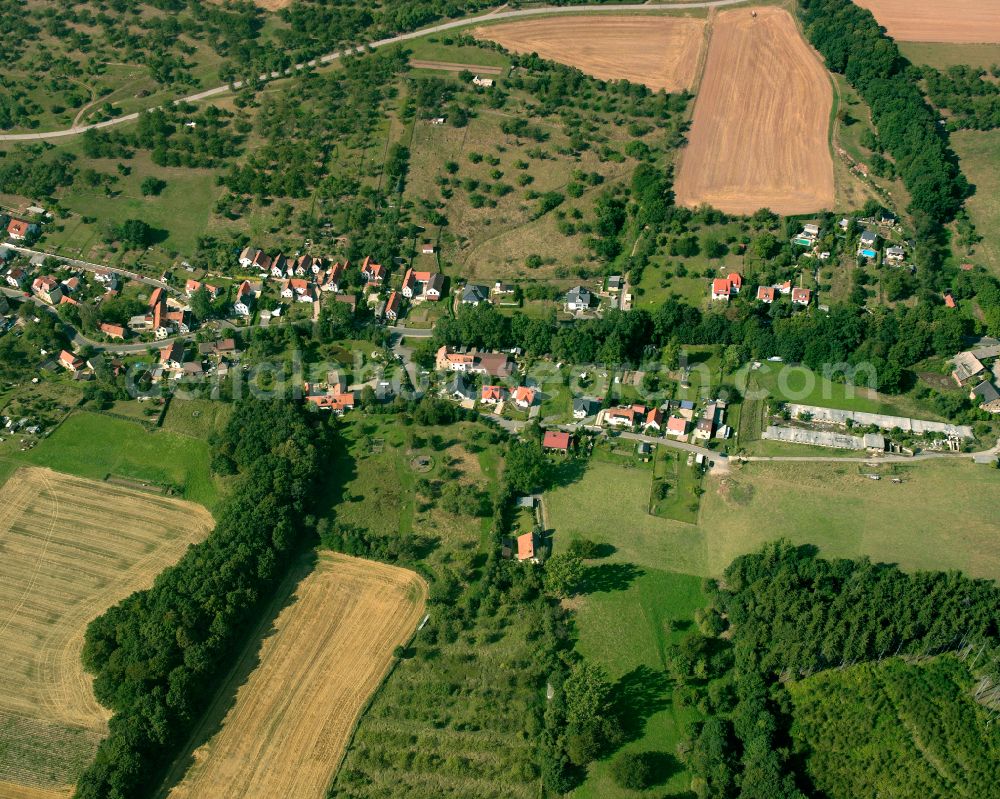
(403, 37)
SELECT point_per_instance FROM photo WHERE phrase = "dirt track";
(759, 135)
(659, 52)
(329, 649)
(958, 21)
(69, 549)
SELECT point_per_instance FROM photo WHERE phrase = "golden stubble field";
(69, 549)
(328, 649)
(759, 137)
(954, 21)
(659, 52)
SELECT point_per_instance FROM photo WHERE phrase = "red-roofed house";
(16, 278)
(244, 299)
(19, 230)
(47, 288)
(801, 296)
(334, 275)
(491, 395)
(624, 417)
(113, 331)
(556, 441)
(372, 272)
(735, 282)
(330, 400)
(393, 306)
(193, 285)
(949, 301)
(720, 289)
(766, 294)
(426, 285)
(69, 361)
(524, 397)
(785, 288)
(526, 547)
(654, 419)
(676, 426)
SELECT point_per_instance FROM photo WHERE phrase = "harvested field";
(759, 135)
(69, 549)
(329, 648)
(957, 21)
(659, 52)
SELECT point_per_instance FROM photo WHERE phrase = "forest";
(792, 622)
(970, 96)
(158, 656)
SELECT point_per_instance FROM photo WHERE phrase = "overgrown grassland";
(979, 154)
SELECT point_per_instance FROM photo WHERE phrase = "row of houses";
(164, 317)
(676, 419)
(724, 288)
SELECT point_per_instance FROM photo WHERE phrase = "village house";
(766, 294)
(578, 298)
(423, 285)
(725, 287)
(677, 426)
(107, 278)
(801, 296)
(460, 390)
(491, 395)
(615, 283)
(331, 279)
(70, 285)
(17, 278)
(372, 273)
(473, 294)
(556, 441)
(949, 301)
(172, 355)
(47, 289)
(784, 288)
(304, 266)
(330, 396)
(427, 248)
(967, 367)
(243, 305)
(280, 268)
(249, 257)
(494, 364)
(526, 547)
(193, 285)
(393, 306)
(19, 229)
(297, 289)
(654, 420)
(113, 331)
(895, 254)
(524, 397)
(986, 397)
(624, 416)
(866, 245)
(704, 429)
(584, 407)
(70, 361)
(504, 289)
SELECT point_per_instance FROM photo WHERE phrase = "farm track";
(404, 37)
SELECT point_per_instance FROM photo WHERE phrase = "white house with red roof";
(801, 296)
(677, 426)
(193, 285)
(19, 229)
(17, 278)
(725, 287)
(393, 306)
(624, 416)
(491, 395)
(423, 285)
(333, 277)
(47, 288)
(70, 361)
(371, 272)
(330, 398)
(243, 306)
(654, 420)
(524, 397)
(766, 294)
(784, 288)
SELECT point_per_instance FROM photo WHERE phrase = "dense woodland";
(790, 614)
(158, 656)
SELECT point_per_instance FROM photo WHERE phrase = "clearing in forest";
(69, 549)
(759, 138)
(299, 694)
(956, 21)
(658, 52)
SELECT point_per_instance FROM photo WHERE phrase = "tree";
(634, 771)
(134, 233)
(563, 575)
(152, 186)
(526, 466)
(201, 304)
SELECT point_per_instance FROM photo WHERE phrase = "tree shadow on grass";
(638, 695)
(566, 473)
(607, 577)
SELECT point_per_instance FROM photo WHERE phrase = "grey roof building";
(473, 294)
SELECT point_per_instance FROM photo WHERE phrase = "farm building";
(967, 367)
(819, 438)
(986, 396)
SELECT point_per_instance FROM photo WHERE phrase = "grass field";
(757, 140)
(198, 418)
(95, 446)
(831, 505)
(941, 55)
(979, 154)
(658, 52)
(298, 696)
(71, 549)
(960, 21)
(627, 630)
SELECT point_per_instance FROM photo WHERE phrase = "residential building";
(393, 306)
(113, 331)
(676, 426)
(784, 288)
(721, 289)
(949, 301)
(333, 278)
(624, 416)
(423, 285)
(494, 364)
(459, 389)
(243, 306)
(70, 361)
(654, 420)
(193, 285)
(967, 367)
(172, 355)
(371, 272)
(106, 278)
(333, 398)
(474, 294)
(986, 396)
(766, 294)
(801, 296)
(866, 245)
(578, 298)
(896, 254)
(19, 229)
(17, 278)
(249, 257)
(584, 407)
(556, 441)
(491, 395)
(526, 544)
(524, 397)
(47, 288)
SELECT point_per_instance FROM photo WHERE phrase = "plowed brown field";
(330, 648)
(759, 134)
(659, 52)
(957, 21)
(69, 549)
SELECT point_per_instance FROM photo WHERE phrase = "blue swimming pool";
(868, 253)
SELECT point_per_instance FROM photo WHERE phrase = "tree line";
(158, 656)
